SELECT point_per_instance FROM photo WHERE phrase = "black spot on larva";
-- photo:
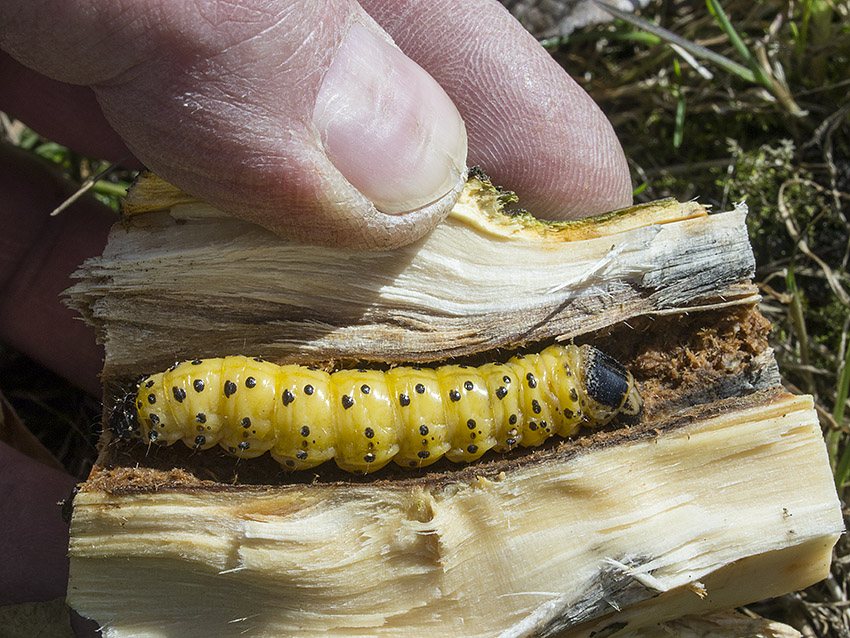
(139, 404)
(151, 399)
(573, 394)
(198, 384)
(471, 424)
(259, 359)
(200, 440)
(290, 462)
(153, 435)
(512, 419)
(305, 431)
(411, 464)
(179, 394)
(423, 454)
(244, 445)
(423, 430)
(532, 382)
(149, 384)
(313, 368)
(365, 389)
(567, 370)
(420, 389)
(287, 397)
(250, 382)
(369, 433)
(544, 426)
(403, 400)
(369, 458)
(361, 370)
(308, 389)
(154, 419)
(200, 417)
(301, 455)
(467, 385)
(347, 401)
(532, 426)
(569, 414)
(511, 441)
(229, 388)
(454, 395)
(246, 422)
(472, 449)
(506, 380)
(416, 367)
(535, 406)
(197, 362)
(501, 392)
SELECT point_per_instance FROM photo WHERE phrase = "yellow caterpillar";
(363, 419)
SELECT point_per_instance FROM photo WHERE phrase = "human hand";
(259, 107)
(305, 118)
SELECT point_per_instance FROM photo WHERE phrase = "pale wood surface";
(192, 283)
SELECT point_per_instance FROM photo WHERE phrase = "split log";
(721, 496)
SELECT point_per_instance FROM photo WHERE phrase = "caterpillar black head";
(124, 418)
(610, 389)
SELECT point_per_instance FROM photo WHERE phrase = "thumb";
(301, 116)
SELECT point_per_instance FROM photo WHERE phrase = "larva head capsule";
(610, 389)
(124, 419)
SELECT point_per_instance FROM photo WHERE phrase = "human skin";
(258, 107)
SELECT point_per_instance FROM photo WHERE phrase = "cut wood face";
(581, 542)
(182, 282)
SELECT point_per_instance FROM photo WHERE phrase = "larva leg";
(306, 435)
(424, 433)
(469, 417)
(247, 404)
(503, 385)
(368, 428)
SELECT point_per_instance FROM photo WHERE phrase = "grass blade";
(719, 14)
(693, 48)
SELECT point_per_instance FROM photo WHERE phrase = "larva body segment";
(367, 422)
(305, 429)
(468, 415)
(426, 435)
(364, 419)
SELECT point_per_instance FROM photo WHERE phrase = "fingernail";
(387, 125)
